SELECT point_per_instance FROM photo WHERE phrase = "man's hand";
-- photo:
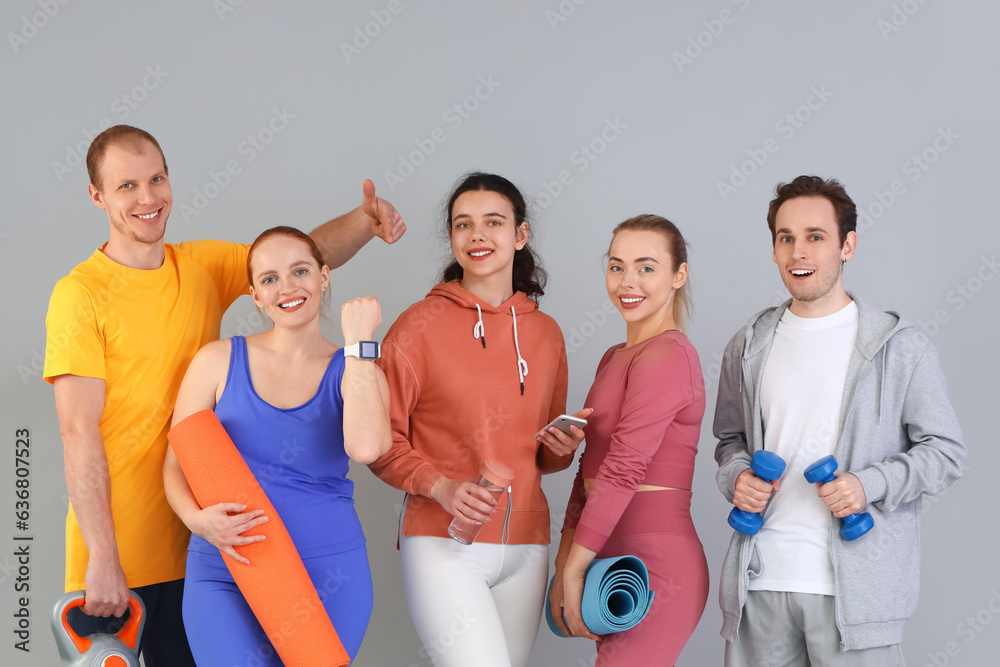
(752, 493)
(387, 224)
(106, 588)
(844, 495)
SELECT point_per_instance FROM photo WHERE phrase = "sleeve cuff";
(592, 533)
(733, 470)
(590, 538)
(424, 479)
(873, 482)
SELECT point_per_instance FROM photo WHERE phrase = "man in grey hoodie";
(824, 374)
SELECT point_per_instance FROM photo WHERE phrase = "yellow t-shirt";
(138, 331)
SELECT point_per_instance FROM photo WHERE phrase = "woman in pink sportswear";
(632, 494)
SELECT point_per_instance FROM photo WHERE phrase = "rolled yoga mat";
(275, 583)
(616, 596)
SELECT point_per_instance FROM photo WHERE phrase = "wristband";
(363, 349)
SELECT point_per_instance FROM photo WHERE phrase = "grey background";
(894, 75)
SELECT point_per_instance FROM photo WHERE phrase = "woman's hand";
(558, 442)
(557, 601)
(573, 578)
(223, 526)
(359, 318)
(464, 499)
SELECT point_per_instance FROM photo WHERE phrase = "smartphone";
(563, 422)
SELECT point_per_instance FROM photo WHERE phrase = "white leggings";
(474, 605)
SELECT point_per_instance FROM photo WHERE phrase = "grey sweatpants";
(798, 630)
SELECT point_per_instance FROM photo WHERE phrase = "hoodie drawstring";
(881, 386)
(522, 365)
(479, 331)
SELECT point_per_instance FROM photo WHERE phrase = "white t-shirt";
(801, 394)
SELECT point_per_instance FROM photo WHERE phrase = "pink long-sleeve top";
(648, 400)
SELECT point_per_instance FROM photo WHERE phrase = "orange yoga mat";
(275, 583)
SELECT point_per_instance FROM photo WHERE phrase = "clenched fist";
(359, 318)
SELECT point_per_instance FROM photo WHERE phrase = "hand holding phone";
(565, 440)
(563, 422)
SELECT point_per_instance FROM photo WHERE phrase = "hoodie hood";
(875, 328)
(453, 291)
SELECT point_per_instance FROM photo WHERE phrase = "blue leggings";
(222, 629)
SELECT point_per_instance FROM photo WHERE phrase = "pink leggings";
(657, 528)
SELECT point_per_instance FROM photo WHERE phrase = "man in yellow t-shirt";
(122, 328)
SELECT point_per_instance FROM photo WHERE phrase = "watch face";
(368, 350)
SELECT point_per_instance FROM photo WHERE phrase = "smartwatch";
(363, 349)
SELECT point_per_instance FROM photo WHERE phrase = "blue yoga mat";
(616, 596)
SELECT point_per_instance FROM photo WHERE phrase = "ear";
(850, 245)
(681, 275)
(324, 274)
(257, 302)
(96, 197)
(521, 235)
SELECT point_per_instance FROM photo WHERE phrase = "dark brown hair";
(814, 186)
(676, 246)
(125, 136)
(529, 276)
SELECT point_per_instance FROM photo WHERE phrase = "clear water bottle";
(495, 477)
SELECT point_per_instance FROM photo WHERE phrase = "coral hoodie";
(458, 372)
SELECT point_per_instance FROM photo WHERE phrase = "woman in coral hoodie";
(632, 494)
(458, 365)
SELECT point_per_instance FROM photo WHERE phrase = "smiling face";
(135, 193)
(641, 281)
(810, 257)
(484, 236)
(287, 281)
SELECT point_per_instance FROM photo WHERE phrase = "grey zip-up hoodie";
(898, 435)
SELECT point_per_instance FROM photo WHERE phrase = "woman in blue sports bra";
(297, 410)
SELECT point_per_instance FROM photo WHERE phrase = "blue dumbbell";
(767, 466)
(855, 525)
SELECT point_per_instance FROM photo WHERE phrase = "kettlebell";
(98, 650)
